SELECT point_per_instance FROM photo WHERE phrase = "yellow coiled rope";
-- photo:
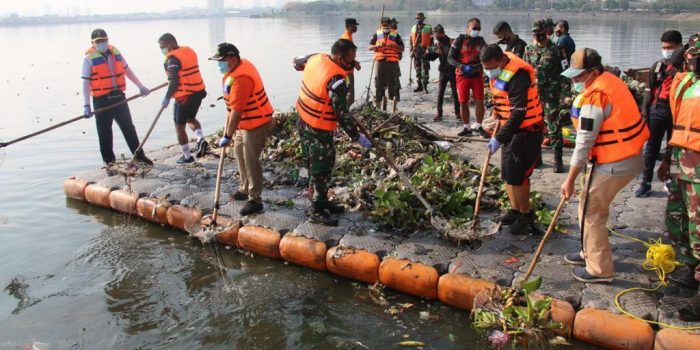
(660, 258)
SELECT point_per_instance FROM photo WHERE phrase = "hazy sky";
(74, 7)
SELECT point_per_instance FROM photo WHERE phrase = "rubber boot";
(419, 88)
(558, 162)
(319, 215)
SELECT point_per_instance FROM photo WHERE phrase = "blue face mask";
(493, 73)
(579, 87)
(223, 66)
(102, 47)
(164, 50)
(420, 21)
(474, 33)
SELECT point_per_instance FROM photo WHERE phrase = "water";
(76, 277)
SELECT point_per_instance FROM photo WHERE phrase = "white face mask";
(667, 53)
(102, 47)
(164, 50)
(474, 33)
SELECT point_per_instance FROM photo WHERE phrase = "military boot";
(319, 215)
(684, 276)
(558, 162)
(334, 208)
(419, 88)
(425, 87)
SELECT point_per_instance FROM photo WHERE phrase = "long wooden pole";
(550, 229)
(371, 72)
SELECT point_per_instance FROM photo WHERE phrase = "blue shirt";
(568, 44)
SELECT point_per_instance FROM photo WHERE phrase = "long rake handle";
(550, 229)
(100, 110)
(371, 72)
(150, 129)
(484, 169)
(392, 163)
(217, 195)
(410, 71)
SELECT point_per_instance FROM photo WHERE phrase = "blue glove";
(467, 69)
(493, 145)
(364, 141)
(224, 141)
(144, 91)
(87, 111)
(166, 102)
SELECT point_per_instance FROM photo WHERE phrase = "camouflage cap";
(694, 44)
(394, 21)
(420, 15)
(548, 22)
(538, 26)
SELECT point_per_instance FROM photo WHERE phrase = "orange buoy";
(359, 265)
(459, 290)
(123, 201)
(229, 236)
(304, 251)
(98, 195)
(611, 331)
(260, 240)
(675, 339)
(562, 312)
(150, 209)
(180, 216)
(409, 277)
(75, 188)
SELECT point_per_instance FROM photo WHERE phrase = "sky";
(83, 7)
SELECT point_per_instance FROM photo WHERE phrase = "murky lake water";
(76, 276)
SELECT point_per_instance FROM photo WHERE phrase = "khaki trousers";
(596, 245)
(247, 147)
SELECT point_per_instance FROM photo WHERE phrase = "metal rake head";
(129, 168)
(473, 230)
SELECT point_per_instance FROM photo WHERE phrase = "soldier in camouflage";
(682, 165)
(317, 144)
(421, 41)
(549, 60)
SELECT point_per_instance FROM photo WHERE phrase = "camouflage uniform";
(683, 208)
(318, 147)
(420, 62)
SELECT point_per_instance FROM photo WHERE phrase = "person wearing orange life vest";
(387, 46)
(351, 28)
(610, 136)
(104, 76)
(187, 88)
(248, 122)
(518, 110)
(421, 41)
(322, 106)
(681, 166)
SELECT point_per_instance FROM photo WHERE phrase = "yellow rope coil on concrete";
(660, 258)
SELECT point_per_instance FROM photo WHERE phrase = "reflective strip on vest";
(258, 110)
(391, 52)
(685, 105)
(499, 91)
(103, 78)
(314, 104)
(190, 79)
(623, 133)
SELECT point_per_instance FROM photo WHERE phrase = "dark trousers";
(122, 116)
(444, 79)
(660, 124)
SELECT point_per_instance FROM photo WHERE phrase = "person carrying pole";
(104, 76)
(610, 135)
(187, 88)
(351, 28)
(387, 46)
(421, 41)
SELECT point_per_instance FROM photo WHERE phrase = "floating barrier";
(229, 236)
(123, 201)
(459, 290)
(260, 240)
(359, 265)
(180, 216)
(674, 339)
(409, 277)
(611, 331)
(98, 195)
(304, 251)
(562, 312)
(152, 210)
(75, 188)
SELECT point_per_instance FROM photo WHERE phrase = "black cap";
(224, 51)
(386, 21)
(351, 21)
(98, 34)
(420, 15)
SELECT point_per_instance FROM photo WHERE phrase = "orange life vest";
(102, 81)
(190, 79)
(623, 133)
(685, 106)
(392, 51)
(258, 110)
(425, 35)
(347, 35)
(499, 90)
(314, 103)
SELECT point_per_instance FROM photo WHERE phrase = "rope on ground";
(660, 258)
